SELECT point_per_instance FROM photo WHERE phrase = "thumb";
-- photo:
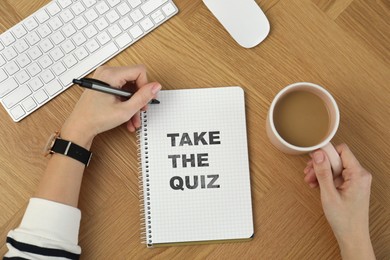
(142, 97)
(323, 173)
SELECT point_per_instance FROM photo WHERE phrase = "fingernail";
(318, 157)
(156, 88)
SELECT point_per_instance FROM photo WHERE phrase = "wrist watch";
(60, 146)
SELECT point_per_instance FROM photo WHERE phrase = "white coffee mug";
(325, 145)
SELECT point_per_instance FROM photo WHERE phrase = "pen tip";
(155, 101)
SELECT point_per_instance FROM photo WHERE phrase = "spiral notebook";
(195, 182)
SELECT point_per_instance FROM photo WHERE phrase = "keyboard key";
(44, 30)
(134, 3)
(94, 60)
(58, 68)
(92, 45)
(22, 77)
(45, 62)
(47, 76)
(29, 104)
(53, 9)
(17, 112)
(11, 68)
(30, 23)
(90, 31)
(23, 60)
(46, 45)
(40, 96)
(78, 8)
(113, 3)
(7, 38)
(79, 39)
(146, 24)
(114, 30)
(2, 60)
(16, 96)
(42, 16)
(152, 5)
(80, 22)
(64, 3)
(91, 15)
(68, 30)
(34, 53)
(157, 16)
(68, 46)
(101, 24)
(70, 61)
(19, 31)
(56, 54)
(102, 7)
(7, 86)
(57, 38)
(21, 45)
(136, 15)
(3, 75)
(55, 23)
(81, 53)
(136, 32)
(123, 8)
(34, 69)
(53, 87)
(112, 16)
(89, 3)
(168, 9)
(103, 38)
(35, 84)
(123, 40)
(125, 23)
(32, 38)
(66, 16)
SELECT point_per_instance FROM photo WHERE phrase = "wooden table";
(342, 45)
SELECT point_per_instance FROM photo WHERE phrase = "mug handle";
(334, 158)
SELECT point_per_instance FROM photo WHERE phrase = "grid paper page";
(182, 210)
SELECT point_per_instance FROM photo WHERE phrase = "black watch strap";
(72, 150)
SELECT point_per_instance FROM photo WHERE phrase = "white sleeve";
(49, 230)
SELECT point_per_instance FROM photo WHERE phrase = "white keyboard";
(67, 39)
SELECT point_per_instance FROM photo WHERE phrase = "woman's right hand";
(345, 201)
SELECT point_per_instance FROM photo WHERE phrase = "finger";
(136, 120)
(311, 176)
(141, 98)
(323, 173)
(338, 181)
(118, 76)
(348, 158)
(130, 126)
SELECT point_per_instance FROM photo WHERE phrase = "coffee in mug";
(304, 117)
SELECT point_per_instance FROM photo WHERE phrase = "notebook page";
(207, 128)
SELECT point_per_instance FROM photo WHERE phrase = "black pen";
(101, 86)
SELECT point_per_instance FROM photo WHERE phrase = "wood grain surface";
(342, 45)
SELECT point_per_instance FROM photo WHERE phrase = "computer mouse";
(243, 19)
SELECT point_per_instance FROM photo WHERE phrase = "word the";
(201, 160)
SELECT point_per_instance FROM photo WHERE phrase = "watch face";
(50, 143)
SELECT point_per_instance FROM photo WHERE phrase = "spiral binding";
(144, 192)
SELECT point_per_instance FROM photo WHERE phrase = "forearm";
(62, 179)
(357, 247)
